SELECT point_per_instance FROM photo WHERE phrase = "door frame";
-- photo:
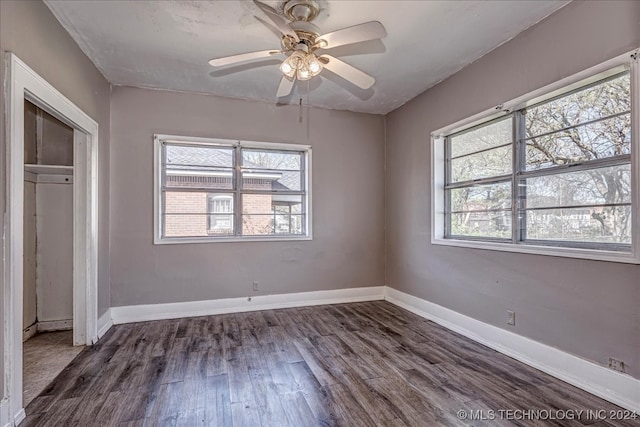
(22, 83)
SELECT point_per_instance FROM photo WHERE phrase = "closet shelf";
(49, 169)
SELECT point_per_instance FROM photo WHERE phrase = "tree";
(271, 160)
(590, 124)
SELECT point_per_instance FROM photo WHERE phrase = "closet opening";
(23, 84)
(48, 250)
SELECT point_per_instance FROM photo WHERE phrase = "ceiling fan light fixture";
(287, 69)
(302, 65)
(313, 64)
(297, 59)
(304, 73)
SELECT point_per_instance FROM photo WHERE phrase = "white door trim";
(21, 83)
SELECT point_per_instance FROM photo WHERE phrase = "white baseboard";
(29, 331)
(55, 325)
(104, 324)
(48, 326)
(20, 416)
(140, 313)
(616, 387)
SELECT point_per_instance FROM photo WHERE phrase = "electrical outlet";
(511, 317)
(616, 365)
(256, 286)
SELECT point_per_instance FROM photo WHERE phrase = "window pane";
(482, 138)
(267, 214)
(592, 103)
(186, 225)
(481, 197)
(185, 202)
(200, 183)
(271, 160)
(192, 179)
(606, 138)
(609, 185)
(198, 167)
(195, 156)
(268, 225)
(271, 180)
(497, 161)
(583, 224)
(190, 214)
(481, 224)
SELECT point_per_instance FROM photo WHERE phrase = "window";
(219, 190)
(220, 210)
(553, 174)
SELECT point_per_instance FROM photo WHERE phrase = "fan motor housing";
(301, 10)
(306, 31)
(301, 13)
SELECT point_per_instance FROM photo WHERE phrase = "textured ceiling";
(167, 45)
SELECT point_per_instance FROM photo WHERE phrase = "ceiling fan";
(304, 45)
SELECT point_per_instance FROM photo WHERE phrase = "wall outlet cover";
(616, 365)
(511, 317)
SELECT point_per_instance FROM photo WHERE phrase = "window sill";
(190, 240)
(579, 253)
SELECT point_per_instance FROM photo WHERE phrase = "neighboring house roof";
(187, 157)
(205, 159)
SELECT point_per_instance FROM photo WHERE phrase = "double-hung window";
(554, 172)
(220, 190)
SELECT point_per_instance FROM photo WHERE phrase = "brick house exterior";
(194, 213)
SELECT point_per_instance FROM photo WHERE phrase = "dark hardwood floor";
(361, 364)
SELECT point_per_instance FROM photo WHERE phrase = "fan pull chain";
(300, 111)
(308, 109)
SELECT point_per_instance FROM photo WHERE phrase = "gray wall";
(587, 308)
(28, 29)
(48, 252)
(347, 249)
(54, 281)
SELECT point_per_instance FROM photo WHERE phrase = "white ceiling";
(167, 45)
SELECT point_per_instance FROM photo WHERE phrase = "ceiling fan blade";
(270, 26)
(347, 72)
(280, 22)
(228, 60)
(286, 85)
(358, 33)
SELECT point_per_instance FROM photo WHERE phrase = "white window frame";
(159, 239)
(628, 61)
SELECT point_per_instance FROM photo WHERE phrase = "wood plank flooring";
(361, 364)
